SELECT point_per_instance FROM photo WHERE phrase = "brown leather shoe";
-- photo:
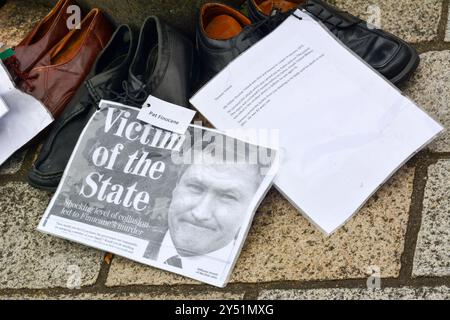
(56, 77)
(45, 35)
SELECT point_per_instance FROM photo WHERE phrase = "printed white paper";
(26, 117)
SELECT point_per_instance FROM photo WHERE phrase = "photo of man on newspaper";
(181, 203)
(208, 206)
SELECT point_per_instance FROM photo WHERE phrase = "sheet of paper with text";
(343, 128)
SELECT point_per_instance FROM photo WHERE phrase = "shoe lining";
(115, 53)
(69, 46)
(117, 61)
(221, 22)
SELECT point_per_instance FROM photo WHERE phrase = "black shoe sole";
(410, 68)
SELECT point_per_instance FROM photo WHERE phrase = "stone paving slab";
(404, 293)
(29, 259)
(447, 32)
(128, 296)
(283, 245)
(412, 20)
(430, 88)
(13, 164)
(432, 257)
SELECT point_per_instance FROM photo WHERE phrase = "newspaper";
(182, 203)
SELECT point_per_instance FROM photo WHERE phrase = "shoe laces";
(128, 94)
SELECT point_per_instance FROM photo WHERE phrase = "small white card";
(166, 115)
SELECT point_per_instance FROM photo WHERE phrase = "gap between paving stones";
(252, 290)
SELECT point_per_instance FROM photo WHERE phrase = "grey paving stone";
(447, 32)
(412, 20)
(29, 259)
(13, 164)
(430, 88)
(405, 293)
(17, 18)
(432, 257)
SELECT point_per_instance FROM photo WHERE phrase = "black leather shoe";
(105, 82)
(223, 33)
(163, 66)
(386, 53)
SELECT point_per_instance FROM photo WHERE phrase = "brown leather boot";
(44, 36)
(57, 75)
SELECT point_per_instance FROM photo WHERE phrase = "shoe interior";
(47, 22)
(221, 22)
(145, 62)
(267, 6)
(70, 44)
(116, 52)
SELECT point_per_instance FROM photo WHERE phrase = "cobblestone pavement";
(403, 233)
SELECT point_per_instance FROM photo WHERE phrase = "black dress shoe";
(223, 33)
(105, 82)
(163, 66)
(386, 53)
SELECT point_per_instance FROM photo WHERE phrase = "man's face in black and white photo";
(208, 206)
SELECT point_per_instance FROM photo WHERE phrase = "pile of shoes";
(223, 33)
(70, 71)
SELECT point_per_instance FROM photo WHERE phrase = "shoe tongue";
(223, 27)
(268, 6)
(135, 81)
